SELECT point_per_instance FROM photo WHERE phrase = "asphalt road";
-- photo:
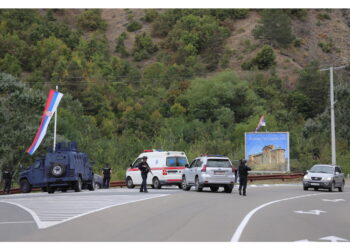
(273, 213)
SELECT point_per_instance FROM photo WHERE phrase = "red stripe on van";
(177, 180)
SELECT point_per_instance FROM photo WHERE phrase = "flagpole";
(55, 127)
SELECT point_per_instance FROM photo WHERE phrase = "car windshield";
(176, 161)
(218, 163)
(322, 169)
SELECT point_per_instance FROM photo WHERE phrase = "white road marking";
(305, 240)
(333, 238)
(51, 210)
(236, 236)
(315, 212)
(335, 200)
(16, 222)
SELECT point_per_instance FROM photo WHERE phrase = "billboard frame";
(263, 172)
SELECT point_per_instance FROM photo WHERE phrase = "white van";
(167, 168)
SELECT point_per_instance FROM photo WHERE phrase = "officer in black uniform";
(7, 178)
(145, 169)
(243, 176)
(107, 172)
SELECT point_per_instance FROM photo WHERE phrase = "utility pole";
(331, 69)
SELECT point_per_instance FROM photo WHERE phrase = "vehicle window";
(337, 169)
(218, 163)
(37, 164)
(198, 164)
(176, 161)
(137, 162)
(322, 169)
(193, 164)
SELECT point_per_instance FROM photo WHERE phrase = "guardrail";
(251, 178)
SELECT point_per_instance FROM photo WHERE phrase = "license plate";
(315, 184)
(219, 172)
(172, 172)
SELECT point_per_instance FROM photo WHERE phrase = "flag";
(52, 102)
(261, 123)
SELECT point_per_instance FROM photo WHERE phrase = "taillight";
(165, 172)
(204, 169)
(233, 169)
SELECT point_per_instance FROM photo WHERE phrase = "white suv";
(212, 171)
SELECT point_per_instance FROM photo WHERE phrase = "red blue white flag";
(261, 123)
(52, 102)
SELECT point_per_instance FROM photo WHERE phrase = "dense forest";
(172, 87)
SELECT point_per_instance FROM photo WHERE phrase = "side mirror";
(336, 173)
(187, 166)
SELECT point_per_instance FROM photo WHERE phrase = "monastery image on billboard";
(267, 151)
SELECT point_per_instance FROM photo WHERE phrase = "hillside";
(177, 79)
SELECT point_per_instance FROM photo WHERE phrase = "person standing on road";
(243, 176)
(107, 172)
(145, 169)
(7, 178)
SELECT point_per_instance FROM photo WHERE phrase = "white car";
(167, 168)
(211, 171)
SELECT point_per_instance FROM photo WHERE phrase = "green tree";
(91, 20)
(275, 27)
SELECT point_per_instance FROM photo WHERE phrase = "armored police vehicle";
(64, 169)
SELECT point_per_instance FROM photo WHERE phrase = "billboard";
(267, 151)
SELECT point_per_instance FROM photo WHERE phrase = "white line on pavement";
(16, 222)
(236, 236)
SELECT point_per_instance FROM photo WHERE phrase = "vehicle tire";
(341, 188)
(180, 186)
(97, 186)
(78, 185)
(306, 188)
(51, 190)
(91, 186)
(185, 187)
(331, 189)
(57, 169)
(316, 189)
(214, 189)
(228, 188)
(64, 190)
(156, 183)
(198, 186)
(25, 186)
(129, 183)
(44, 189)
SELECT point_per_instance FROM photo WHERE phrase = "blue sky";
(256, 141)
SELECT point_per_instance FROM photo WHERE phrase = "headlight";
(327, 178)
(307, 177)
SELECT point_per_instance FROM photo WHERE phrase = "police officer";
(107, 172)
(145, 169)
(7, 177)
(243, 176)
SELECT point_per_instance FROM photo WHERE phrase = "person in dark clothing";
(243, 176)
(107, 172)
(7, 178)
(145, 169)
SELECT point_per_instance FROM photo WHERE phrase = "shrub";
(275, 27)
(323, 16)
(143, 47)
(91, 20)
(150, 15)
(133, 26)
(120, 47)
(263, 60)
(327, 46)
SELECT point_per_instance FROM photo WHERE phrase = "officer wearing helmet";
(243, 176)
(7, 178)
(145, 169)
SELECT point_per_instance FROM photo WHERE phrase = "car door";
(338, 177)
(38, 173)
(190, 172)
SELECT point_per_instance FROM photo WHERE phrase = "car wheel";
(92, 186)
(228, 188)
(129, 183)
(331, 189)
(316, 189)
(51, 190)
(64, 190)
(25, 186)
(156, 183)
(44, 189)
(306, 188)
(78, 185)
(198, 186)
(341, 188)
(185, 186)
(214, 189)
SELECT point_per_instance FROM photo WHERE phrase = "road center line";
(236, 236)
(16, 222)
